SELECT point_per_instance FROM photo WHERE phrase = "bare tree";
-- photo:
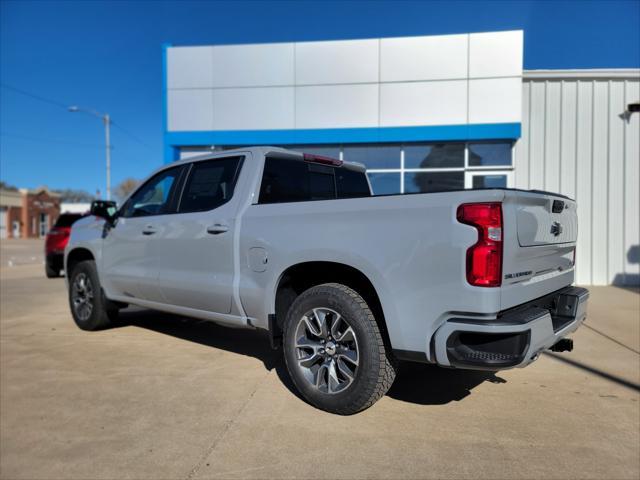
(125, 187)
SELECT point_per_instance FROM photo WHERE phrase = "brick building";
(28, 213)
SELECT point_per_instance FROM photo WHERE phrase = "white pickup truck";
(348, 283)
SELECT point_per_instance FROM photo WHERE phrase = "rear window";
(67, 219)
(287, 180)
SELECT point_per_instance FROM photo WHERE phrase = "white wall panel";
(536, 133)
(253, 108)
(567, 134)
(574, 124)
(423, 103)
(190, 109)
(189, 67)
(349, 61)
(600, 190)
(551, 166)
(521, 147)
(361, 83)
(495, 54)
(337, 106)
(584, 178)
(631, 188)
(253, 65)
(615, 219)
(495, 100)
(423, 58)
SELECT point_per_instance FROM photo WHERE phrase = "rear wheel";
(334, 350)
(90, 308)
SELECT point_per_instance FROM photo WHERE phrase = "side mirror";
(104, 209)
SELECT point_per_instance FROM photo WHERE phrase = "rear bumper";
(515, 337)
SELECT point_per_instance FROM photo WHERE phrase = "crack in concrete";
(225, 430)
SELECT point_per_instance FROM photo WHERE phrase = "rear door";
(194, 248)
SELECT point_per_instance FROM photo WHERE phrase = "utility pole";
(107, 135)
(106, 119)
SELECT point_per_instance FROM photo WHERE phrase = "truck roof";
(272, 151)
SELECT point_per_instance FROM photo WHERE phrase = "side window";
(154, 197)
(352, 184)
(210, 184)
(284, 180)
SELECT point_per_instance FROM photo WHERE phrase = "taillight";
(484, 258)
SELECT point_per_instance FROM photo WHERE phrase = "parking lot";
(167, 397)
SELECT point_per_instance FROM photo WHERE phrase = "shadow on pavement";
(426, 384)
(595, 371)
(416, 383)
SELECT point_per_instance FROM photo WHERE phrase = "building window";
(426, 166)
(437, 155)
(385, 183)
(373, 156)
(490, 154)
(422, 182)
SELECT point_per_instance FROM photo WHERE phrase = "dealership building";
(429, 114)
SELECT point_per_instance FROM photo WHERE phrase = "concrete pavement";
(167, 397)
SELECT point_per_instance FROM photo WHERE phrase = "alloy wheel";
(326, 349)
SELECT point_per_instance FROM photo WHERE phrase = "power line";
(66, 108)
(49, 140)
(131, 135)
(33, 95)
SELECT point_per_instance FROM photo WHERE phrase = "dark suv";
(56, 242)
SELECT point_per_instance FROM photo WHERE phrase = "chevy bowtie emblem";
(556, 228)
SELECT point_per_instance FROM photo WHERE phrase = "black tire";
(51, 272)
(375, 371)
(102, 312)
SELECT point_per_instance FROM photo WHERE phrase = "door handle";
(148, 230)
(217, 229)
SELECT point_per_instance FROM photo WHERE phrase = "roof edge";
(589, 73)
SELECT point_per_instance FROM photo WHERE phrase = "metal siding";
(615, 240)
(631, 273)
(521, 148)
(552, 136)
(576, 141)
(599, 184)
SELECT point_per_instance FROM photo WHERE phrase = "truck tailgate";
(540, 231)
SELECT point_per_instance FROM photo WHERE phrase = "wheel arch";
(76, 256)
(299, 277)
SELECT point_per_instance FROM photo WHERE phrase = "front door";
(194, 248)
(127, 261)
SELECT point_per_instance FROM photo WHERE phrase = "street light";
(107, 122)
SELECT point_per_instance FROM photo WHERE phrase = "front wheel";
(89, 307)
(334, 350)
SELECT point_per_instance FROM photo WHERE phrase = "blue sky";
(107, 56)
